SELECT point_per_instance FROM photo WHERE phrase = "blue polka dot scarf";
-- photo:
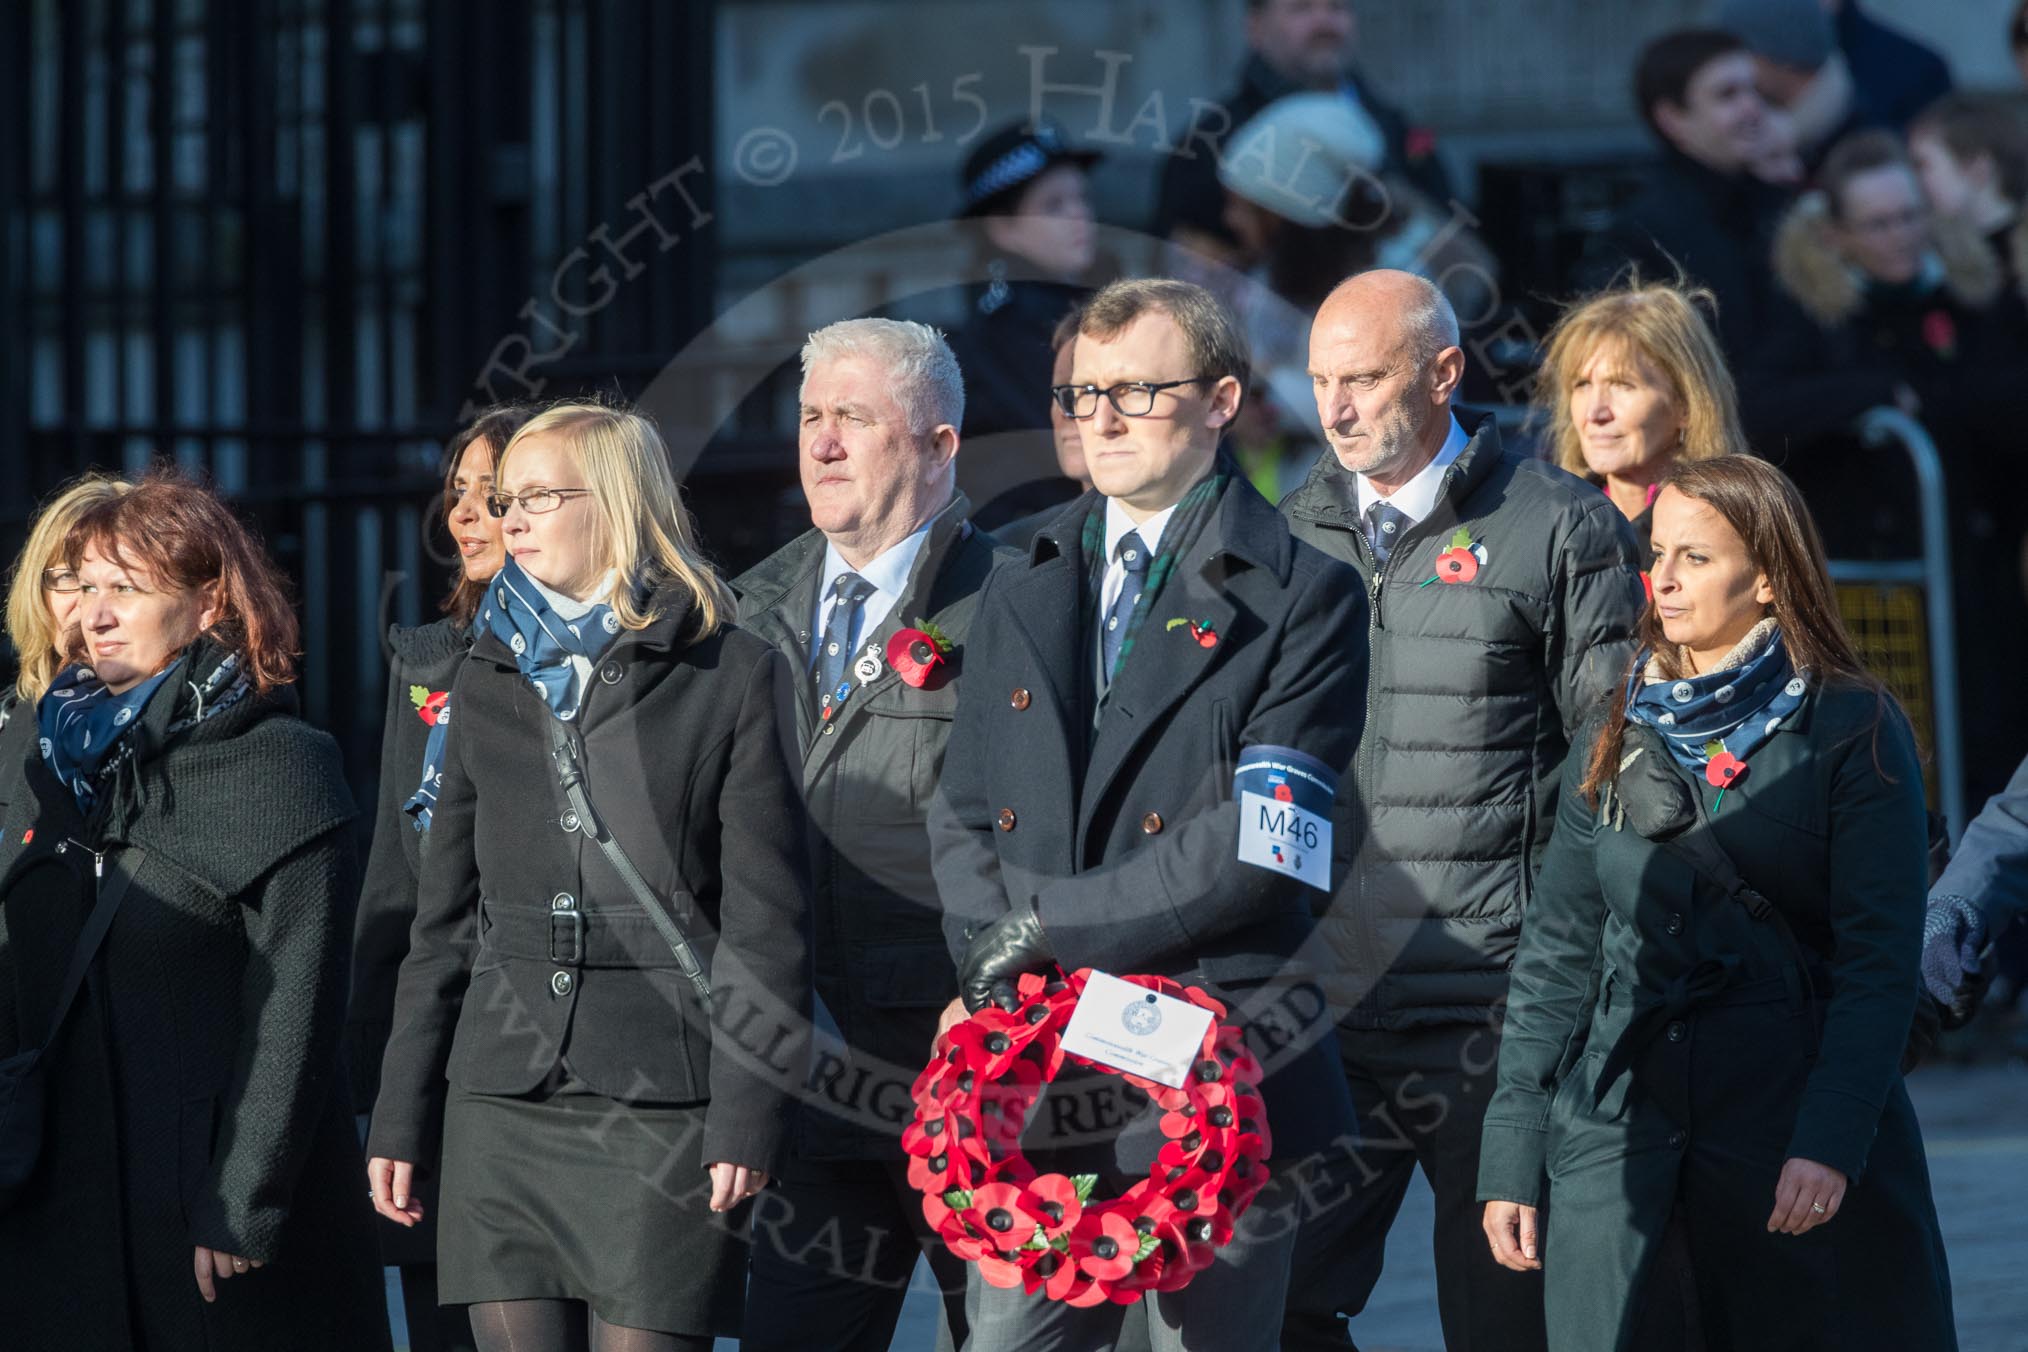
(1734, 709)
(543, 640)
(81, 722)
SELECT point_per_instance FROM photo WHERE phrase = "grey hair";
(927, 382)
(1429, 322)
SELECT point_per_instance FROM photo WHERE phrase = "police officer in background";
(891, 563)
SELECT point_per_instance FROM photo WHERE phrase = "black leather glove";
(1000, 954)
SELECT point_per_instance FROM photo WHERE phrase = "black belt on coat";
(573, 938)
(1707, 985)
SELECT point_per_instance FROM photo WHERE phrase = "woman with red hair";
(183, 832)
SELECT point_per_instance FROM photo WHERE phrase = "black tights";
(566, 1326)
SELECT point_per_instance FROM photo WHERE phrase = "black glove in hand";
(1000, 954)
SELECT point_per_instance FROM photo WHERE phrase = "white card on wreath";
(1133, 1029)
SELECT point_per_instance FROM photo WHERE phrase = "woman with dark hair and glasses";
(421, 661)
(1716, 981)
(618, 827)
(196, 1182)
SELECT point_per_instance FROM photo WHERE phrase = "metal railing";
(1930, 574)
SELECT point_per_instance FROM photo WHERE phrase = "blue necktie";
(1133, 556)
(1384, 526)
(834, 651)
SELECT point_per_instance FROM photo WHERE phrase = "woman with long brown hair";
(194, 1184)
(1719, 967)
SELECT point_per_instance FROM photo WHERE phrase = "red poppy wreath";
(1046, 1232)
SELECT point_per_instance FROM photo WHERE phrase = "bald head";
(1384, 362)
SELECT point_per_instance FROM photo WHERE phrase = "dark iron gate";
(278, 240)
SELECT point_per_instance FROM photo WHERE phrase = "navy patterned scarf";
(81, 722)
(1734, 709)
(552, 650)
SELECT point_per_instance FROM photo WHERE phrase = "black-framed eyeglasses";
(535, 501)
(1131, 399)
(62, 581)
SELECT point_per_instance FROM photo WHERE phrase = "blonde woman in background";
(42, 591)
(1632, 382)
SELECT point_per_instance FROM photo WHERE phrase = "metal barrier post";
(1879, 427)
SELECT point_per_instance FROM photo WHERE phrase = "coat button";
(1019, 699)
(561, 982)
(1152, 824)
(563, 901)
(1677, 1140)
(1006, 819)
(610, 673)
(1677, 1031)
(1675, 925)
(830, 728)
(568, 821)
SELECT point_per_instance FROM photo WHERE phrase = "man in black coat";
(1703, 212)
(1504, 595)
(1293, 46)
(1164, 630)
(836, 1243)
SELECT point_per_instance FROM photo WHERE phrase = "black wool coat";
(1734, 1062)
(196, 1092)
(689, 757)
(425, 658)
(1126, 838)
(869, 774)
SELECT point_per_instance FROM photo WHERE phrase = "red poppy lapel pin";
(917, 654)
(1461, 562)
(429, 704)
(1201, 632)
(1940, 332)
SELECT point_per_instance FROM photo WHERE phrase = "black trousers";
(834, 1249)
(1421, 1096)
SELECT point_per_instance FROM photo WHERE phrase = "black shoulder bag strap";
(1699, 849)
(567, 753)
(97, 925)
(21, 1078)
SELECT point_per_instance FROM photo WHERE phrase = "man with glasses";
(1159, 636)
(891, 550)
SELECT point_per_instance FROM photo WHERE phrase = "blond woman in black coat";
(600, 1130)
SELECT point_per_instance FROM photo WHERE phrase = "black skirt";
(577, 1196)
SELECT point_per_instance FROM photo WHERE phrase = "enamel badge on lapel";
(836, 698)
(1203, 635)
(869, 666)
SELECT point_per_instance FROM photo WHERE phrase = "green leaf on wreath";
(957, 1199)
(1037, 1241)
(1463, 538)
(1084, 1183)
(1149, 1243)
(1061, 1244)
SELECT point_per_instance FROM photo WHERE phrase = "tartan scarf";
(1192, 512)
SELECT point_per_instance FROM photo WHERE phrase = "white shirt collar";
(1118, 523)
(888, 571)
(1417, 498)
